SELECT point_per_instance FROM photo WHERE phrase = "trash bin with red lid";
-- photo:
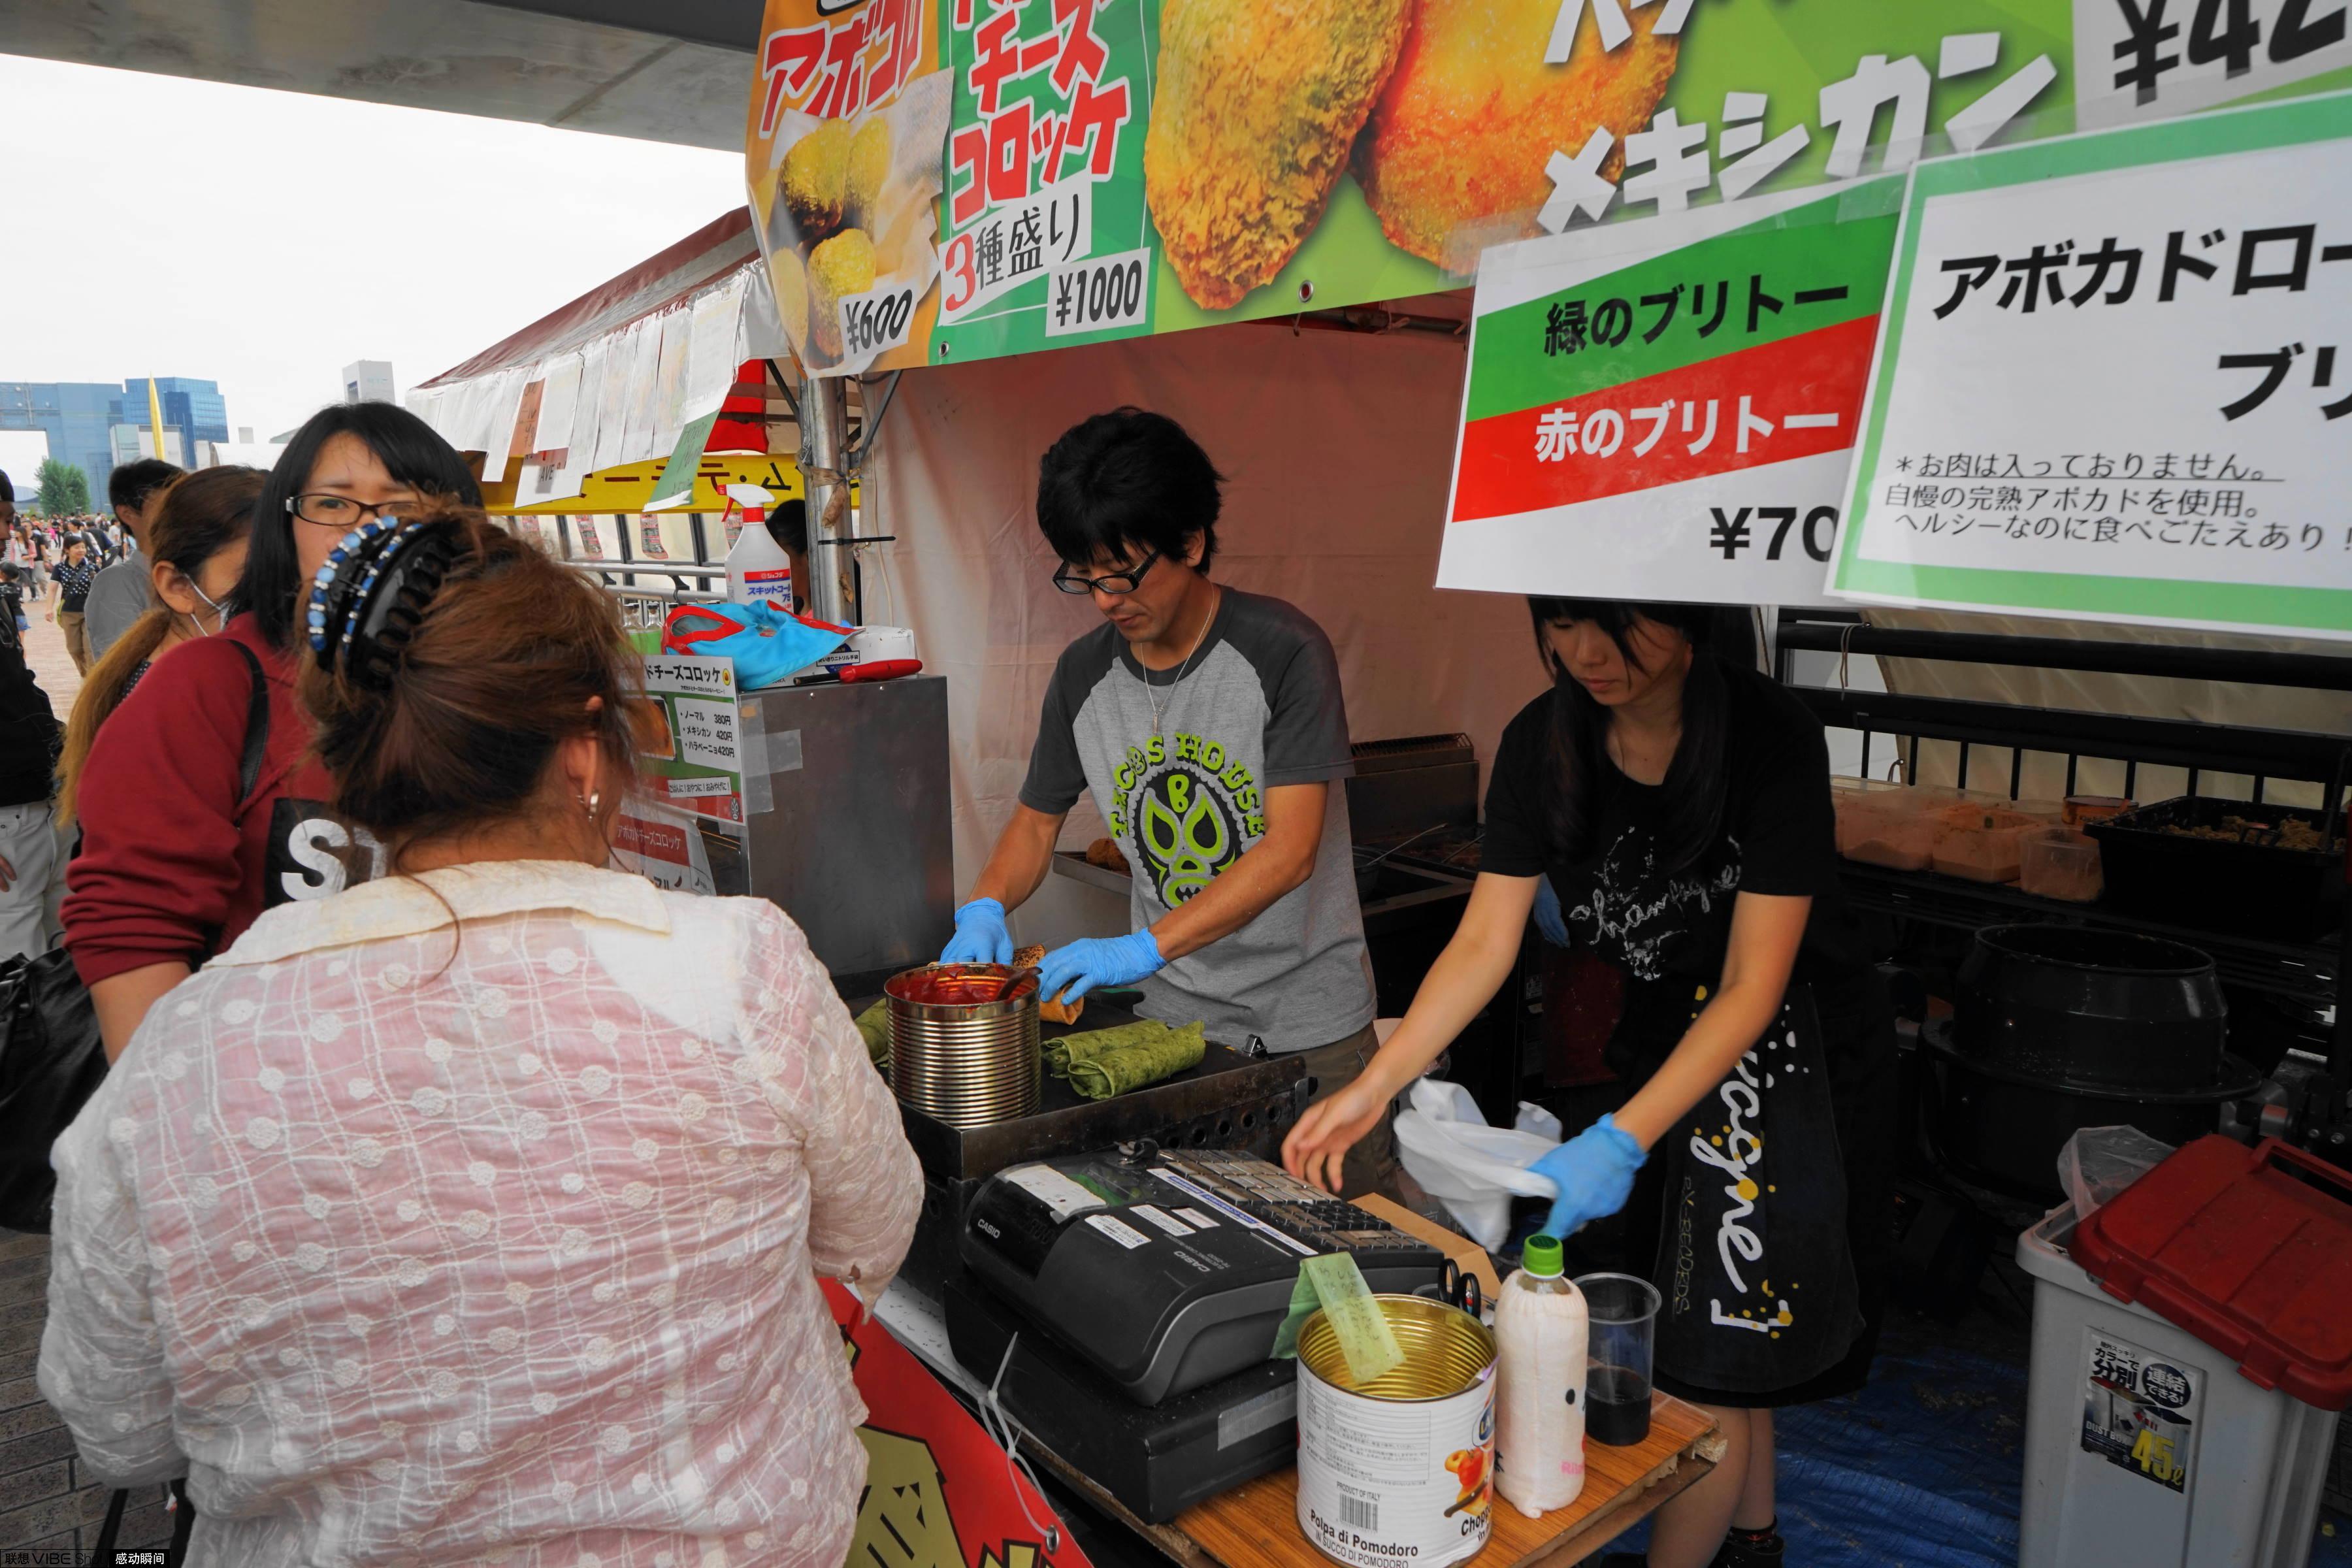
(2192, 1345)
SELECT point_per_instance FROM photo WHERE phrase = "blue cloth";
(1594, 1172)
(1071, 970)
(768, 645)
(979, 935)
(1549, 919)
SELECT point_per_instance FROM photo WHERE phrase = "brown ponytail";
(497, 670)
(196, 518)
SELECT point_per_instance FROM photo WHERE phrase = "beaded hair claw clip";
(367, 600)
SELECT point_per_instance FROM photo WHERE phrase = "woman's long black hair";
(1694, 785)
(410, 452)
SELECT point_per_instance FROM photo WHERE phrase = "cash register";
(1124, 1305)
(1168, 1270)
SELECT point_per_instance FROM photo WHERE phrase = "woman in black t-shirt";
(1680, 803)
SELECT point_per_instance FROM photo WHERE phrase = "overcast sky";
(264, 240)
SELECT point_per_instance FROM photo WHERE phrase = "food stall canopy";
(646, 368)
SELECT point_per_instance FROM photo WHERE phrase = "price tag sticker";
(1098, 294)
(876, 320)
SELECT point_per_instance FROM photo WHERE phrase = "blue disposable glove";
(1091, 962)
(1549, 919)
(1594, 1173)
(980, 936)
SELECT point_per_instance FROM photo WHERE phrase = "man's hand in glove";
(1594, 1173)
(1098, 963)
(979, 935)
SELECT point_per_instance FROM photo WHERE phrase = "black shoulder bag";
(52, 1056)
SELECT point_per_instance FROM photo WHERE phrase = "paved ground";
(45, 650)
(47, 1502)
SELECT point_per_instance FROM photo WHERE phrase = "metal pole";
(825, 418)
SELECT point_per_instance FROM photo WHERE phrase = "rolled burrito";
(1119, 1069)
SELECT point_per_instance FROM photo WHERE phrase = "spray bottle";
(757, 567)
(1541, 1329)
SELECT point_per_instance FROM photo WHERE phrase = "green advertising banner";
(1108, 169)
(1122, 167)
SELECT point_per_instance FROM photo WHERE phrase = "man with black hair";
(119, 595)
(1208, 725)
(788, 526)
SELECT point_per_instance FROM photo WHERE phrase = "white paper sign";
(2113, 379)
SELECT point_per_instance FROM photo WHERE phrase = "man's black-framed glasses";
(344, 514)
(1114, 583)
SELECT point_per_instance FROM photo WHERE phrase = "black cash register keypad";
(1269, 1193)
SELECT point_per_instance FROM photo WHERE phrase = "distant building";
(368, 380)
(79, 418)
(129, 443)
(244, 434)
(76, 415)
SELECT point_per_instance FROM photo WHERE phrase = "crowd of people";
(87, 572)
(448, 1189)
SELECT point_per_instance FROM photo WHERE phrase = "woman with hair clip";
(1679, 801)
(479, 1210)
(201, 805)
(196, 550)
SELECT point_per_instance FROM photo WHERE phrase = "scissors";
(1458, 1289)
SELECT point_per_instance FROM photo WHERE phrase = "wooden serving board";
(1256, 1525)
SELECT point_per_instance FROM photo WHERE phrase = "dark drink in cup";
(1625, 1315)
(1616, 1405)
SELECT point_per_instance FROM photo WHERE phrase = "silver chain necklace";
(1152, 692)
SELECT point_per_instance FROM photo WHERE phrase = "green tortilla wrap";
(1061, 1053)
(1122, 1067)
(874, 1023)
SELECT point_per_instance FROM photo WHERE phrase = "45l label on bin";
(2139, 1410)
(1098, 294)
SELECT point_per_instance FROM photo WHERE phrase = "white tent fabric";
(1337, 448)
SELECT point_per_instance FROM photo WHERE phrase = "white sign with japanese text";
(2113, 378)
(1666, 410)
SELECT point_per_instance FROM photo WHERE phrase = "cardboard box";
(1467, 1254)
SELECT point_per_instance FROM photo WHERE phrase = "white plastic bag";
(1475, 1170)
(2098, 1163)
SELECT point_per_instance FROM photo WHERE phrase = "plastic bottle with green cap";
(1541, 1329)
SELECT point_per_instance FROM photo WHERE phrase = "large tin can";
(964, 1043)
(1399, 1470)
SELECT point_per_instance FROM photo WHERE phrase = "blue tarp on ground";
(1924, 1467)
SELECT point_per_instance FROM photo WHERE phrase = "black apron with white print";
(1754, 1263)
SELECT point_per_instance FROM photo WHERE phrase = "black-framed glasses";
(1114, 583)
(344, 514)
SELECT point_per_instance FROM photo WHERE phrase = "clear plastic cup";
(1624, 1316)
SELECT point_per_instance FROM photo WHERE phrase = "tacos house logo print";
(1188, 809)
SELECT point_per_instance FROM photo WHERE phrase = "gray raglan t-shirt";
(1258, 706)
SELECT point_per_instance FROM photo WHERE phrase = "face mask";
(220, 611)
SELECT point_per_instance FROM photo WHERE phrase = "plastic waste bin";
(2149, 1444)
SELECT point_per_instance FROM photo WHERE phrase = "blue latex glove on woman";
(980, 936)
(1549, 919)
(1594, 1173)
(1097, 963)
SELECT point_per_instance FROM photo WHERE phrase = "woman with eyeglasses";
(196, 530)
(201, 804)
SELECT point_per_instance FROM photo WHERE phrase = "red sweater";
(172, 866)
